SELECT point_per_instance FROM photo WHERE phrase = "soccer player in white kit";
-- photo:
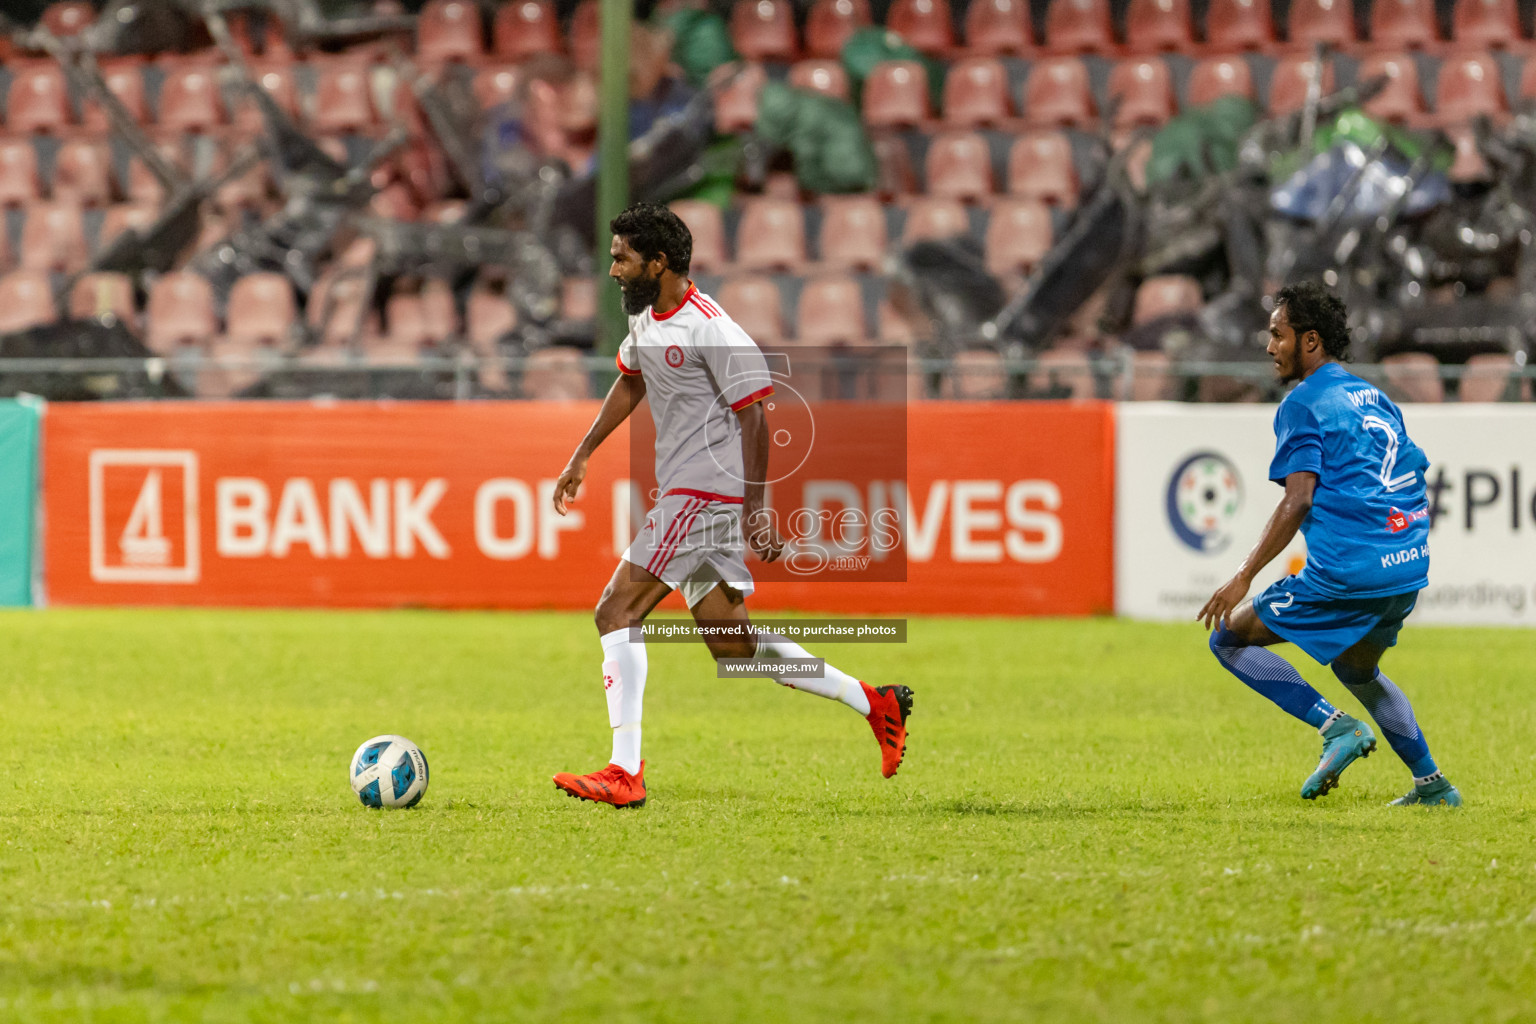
(706, 380)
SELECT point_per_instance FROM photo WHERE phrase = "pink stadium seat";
(824, 76)
(103, 297)
(830, 23)
(277, 78)
(1321, 21)
(1403, 24)
(1142, 92)
(1414, 377)
(894, 174)
(524, 28)
(1019, 234)
(753, 302)
(1488, 378)
(261, 308)
(1040, 167)
(125, 78)
(179, 312)
(488, 315)
(496, 85)
(26, 300)
(190, 100)
(1289, 81)
(440, 313)
(1490, 23)
(38, 100)
(831, 312)
(1152, 378)
(1469, 86)
(578, 298)
(708, 229)
(853, 232)
(69, 18)
(998, 27)
(1057, 94)
(736, 103)
(926, 24)
(19, 183)
(932, 219)
(53, 238)
(121, 217)
(764, 30)
(959, 166)
(1219, 76)
(1166, 295)
(1152, 26)
(975, 375)
(586, 34)
(407, 331)
(82, 173)
(976, 93)
(1401, 101)
(343, 294)
(896, 95)
(1239, 25)
(342, 100)
(771, 235)
(1079, 26)
(555, 374)
(449, 30)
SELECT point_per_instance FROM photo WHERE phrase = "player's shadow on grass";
(1054, 810)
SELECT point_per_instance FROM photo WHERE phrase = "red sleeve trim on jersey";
(728, 499)
(624, 369)
(674, 310)
(703, 307)
(756, 396)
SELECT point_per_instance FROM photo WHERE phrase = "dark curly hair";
(653, 230)
(1311, 307)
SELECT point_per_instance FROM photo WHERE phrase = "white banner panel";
(1192, 497)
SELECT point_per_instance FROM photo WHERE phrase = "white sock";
(624, 685)
(833, 684)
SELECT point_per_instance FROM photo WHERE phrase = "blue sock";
(1392, 713)
(1272, 676)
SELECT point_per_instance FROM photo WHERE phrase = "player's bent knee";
(1353, 673)
(732, 649)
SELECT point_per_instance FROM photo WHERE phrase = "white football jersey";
(700, 368)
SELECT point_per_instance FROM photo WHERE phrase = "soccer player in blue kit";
(1354, 486)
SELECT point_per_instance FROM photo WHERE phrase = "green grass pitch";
(1094, 823)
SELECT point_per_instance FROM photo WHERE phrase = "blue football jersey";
(1368, 530)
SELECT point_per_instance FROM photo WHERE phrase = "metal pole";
(612, 161)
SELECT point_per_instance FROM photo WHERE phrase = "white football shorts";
(693, 542)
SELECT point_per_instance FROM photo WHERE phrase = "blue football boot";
(1436, 792)
(1344, 740)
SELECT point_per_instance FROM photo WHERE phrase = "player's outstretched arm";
(762, 538)
(1282, 526)
(625, 394)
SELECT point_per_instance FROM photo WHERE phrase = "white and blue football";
(389, 771)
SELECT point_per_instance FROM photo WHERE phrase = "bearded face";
(639, 281)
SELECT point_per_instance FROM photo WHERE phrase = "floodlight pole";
(612, 161)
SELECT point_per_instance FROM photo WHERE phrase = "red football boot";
(613, 785)
(889, 707)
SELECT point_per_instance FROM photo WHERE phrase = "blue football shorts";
(1326, 627)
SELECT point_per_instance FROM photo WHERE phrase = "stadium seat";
(336, 307)
(586, 34)
(1152, 26)
(488, 317)
(277, 78)
(830, 23)
(824, 76)
(764, 30)
(1019, 234)
(1413, 377)
(190, 100)
(343, 103)
(38, 100)
(261, 308)
(53, 238)
(556, 374)
(998, 27)
(959, 166)
(1078, 26)
(1528, 81)
(449, 30)
(895, 175)
(578, 297)
(932, 219)
(754, 303)
(1165, 295)
(771, 235)
(1331, 22)
(926, 24)
(1063, 373)
(26, 300)
(1469, 165)
(82, 173)
(19, 182)
(896, 95)
(1401, 101)
(103, 297)
(1403, 24)
(975, 375)
(1152, 378)
(1289, 81)
(1489, 377)
(1040, 167)
(736, 103)
(1489, 23)
(122, 216)
(1469, 86)
(1057, 94)
(69, 18)
(247, 192)
(1141, 92)
(526, 28)
(708, 229)
(496, 85)
(852, 232)
(1239, 25)
(1219, 76)
(125, 78)
(831, 312)
(976, 93)
(179, 312)
(440, 312)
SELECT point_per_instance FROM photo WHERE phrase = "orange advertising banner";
(1006, 508)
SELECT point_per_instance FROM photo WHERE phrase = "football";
(389, 771)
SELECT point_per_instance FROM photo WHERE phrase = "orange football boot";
(889, 707)
(613, 785)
